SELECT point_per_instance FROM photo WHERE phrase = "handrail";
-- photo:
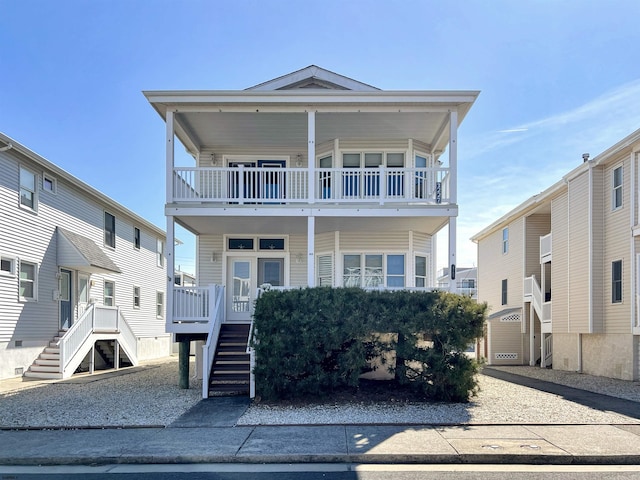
(127, 338)
(73, 338)
(532, 291)
(215, 323)
(191, 304)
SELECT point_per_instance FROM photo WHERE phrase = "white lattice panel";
(506, 356)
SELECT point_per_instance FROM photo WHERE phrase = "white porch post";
(311, 241)
(453, 195)
(532, 333)
(311, 155)
(170, 246)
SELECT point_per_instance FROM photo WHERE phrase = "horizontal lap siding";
(537, 226)
(209, 273)
(579, 255)
(560, 264)
(617, 247)
(597, 252)
(32, 237)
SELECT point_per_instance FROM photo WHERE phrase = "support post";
(116, 354)
(532, 333)
(453, 284)
(183, 363)
(311, 155)
(311, 240)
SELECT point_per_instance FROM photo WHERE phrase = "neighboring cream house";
(466, 279)
(82, 279)
(560, 271)
(309, 179)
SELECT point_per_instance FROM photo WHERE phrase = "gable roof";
(315, 78)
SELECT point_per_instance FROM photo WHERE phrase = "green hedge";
(312, 341)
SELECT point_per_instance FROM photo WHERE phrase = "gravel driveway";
(148, 396)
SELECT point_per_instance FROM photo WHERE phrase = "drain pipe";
(8, 147)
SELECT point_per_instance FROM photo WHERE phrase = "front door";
(66, 301)
(241, 288)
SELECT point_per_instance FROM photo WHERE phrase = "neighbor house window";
(159, 304)
(160, 253)
(109, 293)
(421, 271)
(28, 280)
(7, 266)
(48, 183)
(617, 188)
(616, 281)
(136, 297)
(504, 292)
(136, 238)
(28, 197)
(109, 230)
(505, 240)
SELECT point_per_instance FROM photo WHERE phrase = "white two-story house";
(82, 278)
(310, 179)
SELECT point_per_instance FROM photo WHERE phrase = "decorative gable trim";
(313, 77)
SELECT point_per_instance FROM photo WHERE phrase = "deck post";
(183, 363)
(311, 156)
(311, 264)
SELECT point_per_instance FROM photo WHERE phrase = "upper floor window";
(159, 304)
(136, 297)
(160, 253)
(109, 230)
(28, 194)
(28, 281)
(504, 292)
(617, 188)
(505, 240)
(7, 266)
(616, 281)
(109, 294)
(136, 238)
(49, 183)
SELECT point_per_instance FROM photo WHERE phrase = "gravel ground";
(148, 395)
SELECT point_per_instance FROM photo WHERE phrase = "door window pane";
(83, 288)
(64, 286)
(241, 286)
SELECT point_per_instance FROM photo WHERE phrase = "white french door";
(241, 288)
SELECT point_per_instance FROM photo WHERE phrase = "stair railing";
(216, 295)
(127, 338)
(73, 339)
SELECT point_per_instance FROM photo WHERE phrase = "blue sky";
(557, 79)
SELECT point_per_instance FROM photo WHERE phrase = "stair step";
(44, 368)
(43, 375)
(229, 377)
(50, 356)
(52, 350)
(47, 362)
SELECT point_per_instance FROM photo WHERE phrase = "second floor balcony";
(274, 186)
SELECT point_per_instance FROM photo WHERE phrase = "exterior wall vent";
(18, 343)
(514, 317)
(19, 371)
(506, 356)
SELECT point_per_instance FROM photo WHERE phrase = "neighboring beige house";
(560, 271)
(82, 278)
(466, 280)
(309, 179)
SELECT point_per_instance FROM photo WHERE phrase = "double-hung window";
(160, 253)
(505, 240)
(421, 271)
(616, 199)
(109, 230)
(28, 281)
(616, 281)
(159, 304)
(136, 297)
(136, 238)
(109, 294)
(504, 292)
(28, 192)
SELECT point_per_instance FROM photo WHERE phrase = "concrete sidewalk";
(512, 444)
(208, 433)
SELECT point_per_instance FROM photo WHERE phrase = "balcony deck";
(283, 186)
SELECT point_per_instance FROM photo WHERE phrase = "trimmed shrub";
(310, 342)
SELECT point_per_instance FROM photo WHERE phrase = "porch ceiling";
(273, 225)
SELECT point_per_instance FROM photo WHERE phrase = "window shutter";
(325, 270)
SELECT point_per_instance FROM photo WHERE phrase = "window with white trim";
(109, 230)
(380, 270)
(505, 240)
(160, 253)
(504, 292)
(28, 193)
(325, 271)
(159, 304)
(109, 294)
(28, 281)
(616, 281)
(136, 238)
(421, 271)
(616, 200)
(49, 183)
(7, 266)
(136, 297)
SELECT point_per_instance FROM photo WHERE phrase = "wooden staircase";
(230, 371)
(47, 365)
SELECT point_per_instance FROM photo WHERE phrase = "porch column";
(453, 195)
(183, 363)
(532, 334)
(311, 155)
(170, 240)
(453, 287)
(311, 247)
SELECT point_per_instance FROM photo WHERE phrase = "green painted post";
(183, 364)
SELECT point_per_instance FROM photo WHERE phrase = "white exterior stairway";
(67, 350)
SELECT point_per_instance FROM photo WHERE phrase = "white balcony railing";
(195, 304)
(533, 294)
(270, 185)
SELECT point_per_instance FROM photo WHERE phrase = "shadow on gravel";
(213, 412)
(597, 401)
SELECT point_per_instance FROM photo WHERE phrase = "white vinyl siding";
(578, 232)
(560, 264)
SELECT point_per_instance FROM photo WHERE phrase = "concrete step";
(52, 350)
(43, 375)
(50, 356)
(47, 363)
(44, 369)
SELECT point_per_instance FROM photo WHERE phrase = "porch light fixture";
(299, 258)
(214, 257)
(299, 160)
(214, 162)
